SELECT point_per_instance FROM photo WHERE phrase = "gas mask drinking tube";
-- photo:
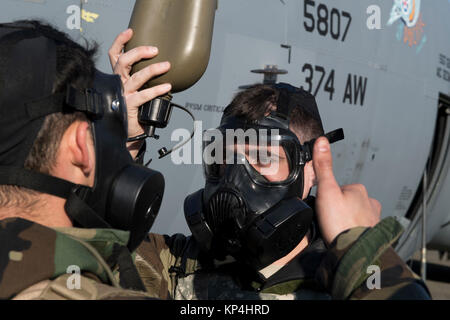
(243, 213)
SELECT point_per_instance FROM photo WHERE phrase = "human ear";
(312, 174)
(309, 179)
(82, 148)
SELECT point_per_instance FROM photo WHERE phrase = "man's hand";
(122, 64)
(340, 208)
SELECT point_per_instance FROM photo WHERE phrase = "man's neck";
(280, 263)
(48, 211)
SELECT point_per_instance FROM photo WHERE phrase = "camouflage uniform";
(34, 261)
(175, 265)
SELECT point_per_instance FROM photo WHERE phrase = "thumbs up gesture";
(339, 208)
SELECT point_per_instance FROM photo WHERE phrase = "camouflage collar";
(96, 237)
(30, 253)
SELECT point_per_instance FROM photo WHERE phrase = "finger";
(139, 78)
(139, 98)
(323, 165)
(118, 45)
(136, 54)
(357, 188)
(376, 205)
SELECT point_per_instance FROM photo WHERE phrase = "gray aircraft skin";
(379, 69)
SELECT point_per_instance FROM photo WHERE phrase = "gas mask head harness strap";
(125, 195)
(250, 217)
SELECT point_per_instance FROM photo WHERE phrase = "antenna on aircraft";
(270, 73)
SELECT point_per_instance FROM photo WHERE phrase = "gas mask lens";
(268, 158)
(269, 162)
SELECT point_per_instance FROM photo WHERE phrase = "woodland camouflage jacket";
(342, 271)
(37, 262)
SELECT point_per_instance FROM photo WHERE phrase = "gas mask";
(251, 208)
(125, 195)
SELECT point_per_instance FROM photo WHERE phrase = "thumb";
(323, 165)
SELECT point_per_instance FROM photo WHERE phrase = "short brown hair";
(75, 66)
(255, 102)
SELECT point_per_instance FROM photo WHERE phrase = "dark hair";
(255, 102)
(75, 66)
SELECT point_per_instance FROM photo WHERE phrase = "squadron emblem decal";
(410, 30)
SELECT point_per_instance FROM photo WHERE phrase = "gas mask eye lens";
(270, 162)
(268, 159)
